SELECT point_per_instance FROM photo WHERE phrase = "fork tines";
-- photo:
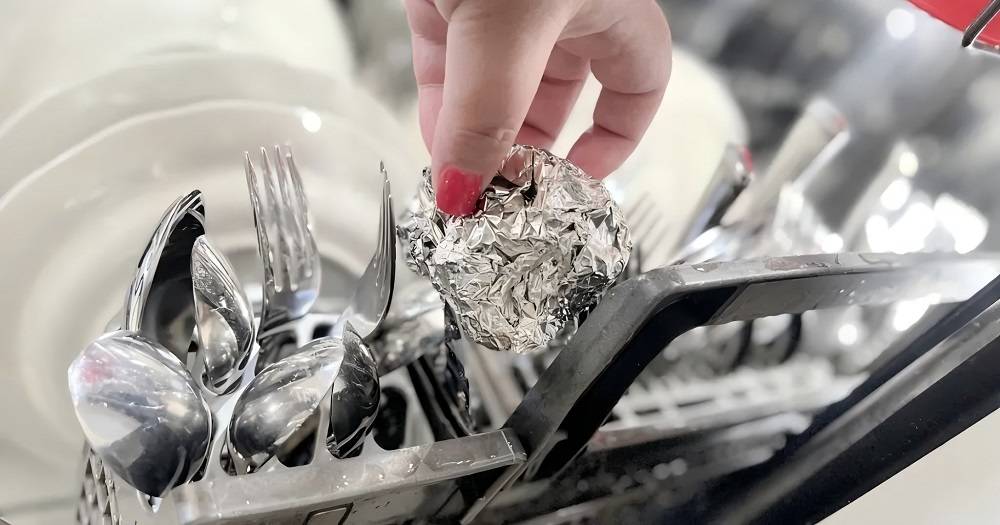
(284, 235)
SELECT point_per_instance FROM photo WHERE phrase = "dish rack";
(567, 436)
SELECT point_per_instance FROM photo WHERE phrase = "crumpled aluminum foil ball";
(546, 243)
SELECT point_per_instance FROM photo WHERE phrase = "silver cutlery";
(354, 398)
(649, 228)
(141, 411)
(415, 329)
(286, 244)
(279, 410)
(223, 316)
(159, 304)
(732, 175)
(371, 299)
(818, 134)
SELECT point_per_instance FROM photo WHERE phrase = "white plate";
(47, 44)
(50, 124)
(73, 231)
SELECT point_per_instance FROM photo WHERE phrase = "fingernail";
(747, 158)
(457, 191)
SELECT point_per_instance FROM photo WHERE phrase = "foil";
(546, 243)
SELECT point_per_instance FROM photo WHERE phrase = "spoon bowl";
(159, 304)
(279, 409)
(223, 316)
(140, 411)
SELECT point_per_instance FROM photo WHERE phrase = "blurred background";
(112, 108)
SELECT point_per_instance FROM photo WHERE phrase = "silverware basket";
(583, 431)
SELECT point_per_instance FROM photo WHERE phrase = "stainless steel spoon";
(415, 328)
(223, 316)
(140, 411)
(159, 304)
(279, 409)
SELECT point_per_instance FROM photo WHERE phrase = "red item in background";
(960, 13)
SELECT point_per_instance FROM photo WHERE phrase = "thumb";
(495, 58)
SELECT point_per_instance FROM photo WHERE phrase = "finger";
(557, 94)
(631, 60)
(428, 33)
(495, 58)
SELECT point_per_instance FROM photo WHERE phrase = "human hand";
(492, 72)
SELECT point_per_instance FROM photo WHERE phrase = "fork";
(645, 222)
(649, 227)
(371, 299)
(286, 246)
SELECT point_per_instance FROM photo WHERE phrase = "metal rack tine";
(982, 20)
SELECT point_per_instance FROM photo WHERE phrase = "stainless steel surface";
(411, 332)
(287, 247)
(983, 19)
(140, 411)
(278, 411)
(159, 304)
(224, 318)
(639, 317)
(354, 398)
(730, 178)
(371, 300)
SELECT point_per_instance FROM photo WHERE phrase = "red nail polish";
(457, 191)
(747, 158)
